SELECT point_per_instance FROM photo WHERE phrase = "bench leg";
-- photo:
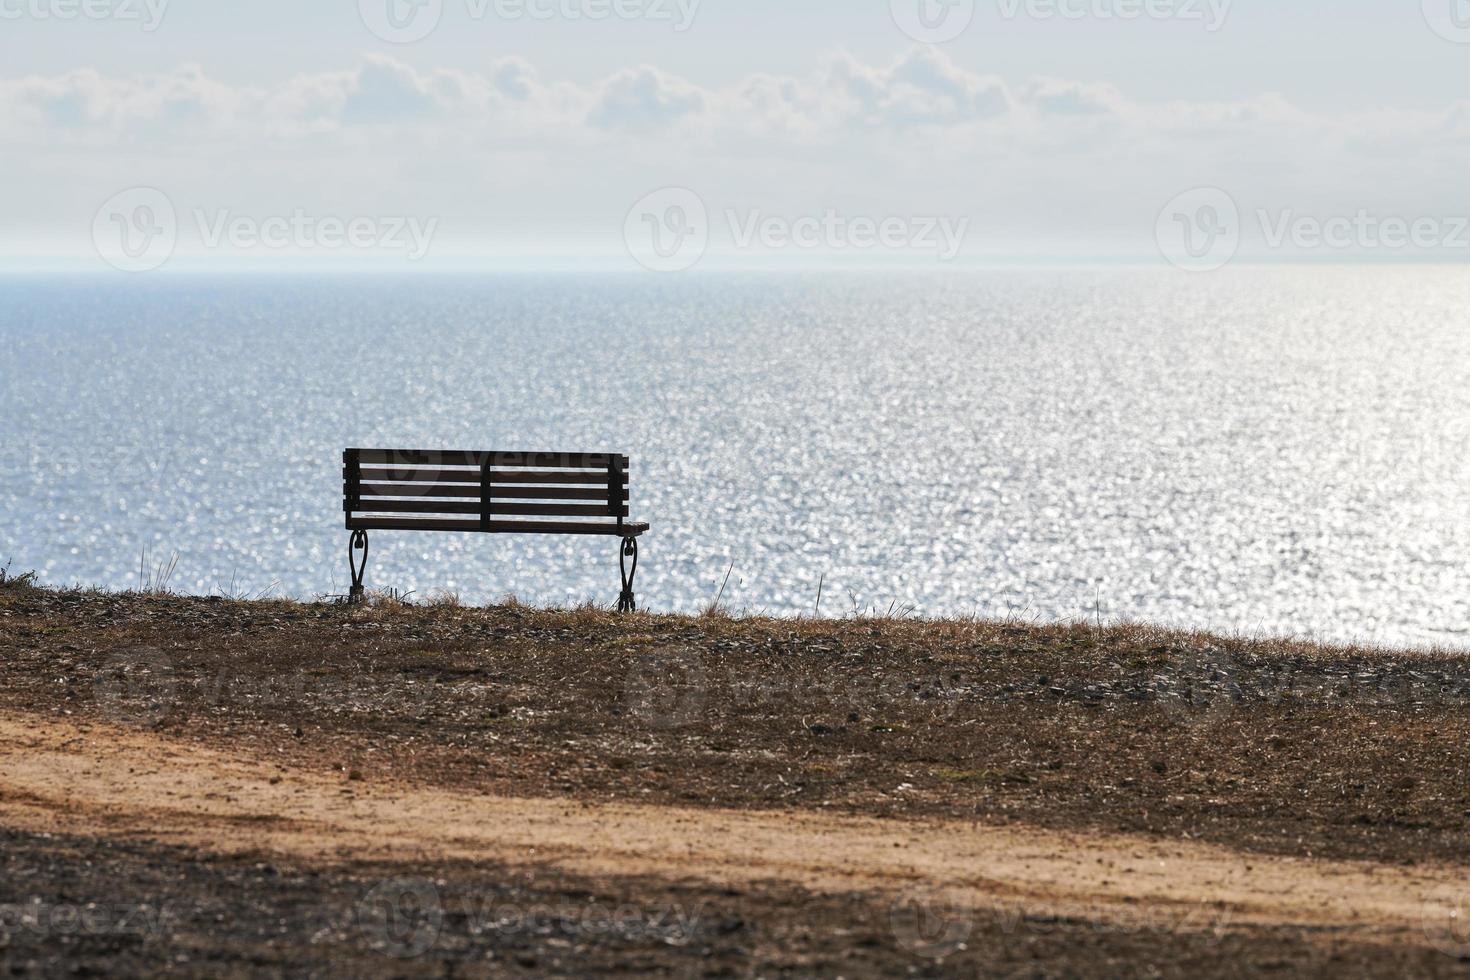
(359, 543)
(628, 602)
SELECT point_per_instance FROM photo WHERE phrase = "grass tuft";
(154, 574)
(25, 580)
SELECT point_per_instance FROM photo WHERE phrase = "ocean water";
(1268, 451)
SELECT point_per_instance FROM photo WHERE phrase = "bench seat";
(627, 530)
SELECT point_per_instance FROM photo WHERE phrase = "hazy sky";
(522, 130)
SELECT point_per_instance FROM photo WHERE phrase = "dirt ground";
(204, 787)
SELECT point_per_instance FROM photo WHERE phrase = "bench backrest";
(490, 492)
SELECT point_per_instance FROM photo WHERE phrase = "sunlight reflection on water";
(1269, 451)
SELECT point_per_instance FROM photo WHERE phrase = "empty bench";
(488, 493)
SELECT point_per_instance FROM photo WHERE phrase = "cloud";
(87, 105)
(1057, 96)
(515, 78)
(921, 90)
(644, 98)
(1053, 159)
(925, 88)
(385, 91)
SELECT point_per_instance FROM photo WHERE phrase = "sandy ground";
(195, 787)
(59, 777)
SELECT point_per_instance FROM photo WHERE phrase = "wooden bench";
(488, 493)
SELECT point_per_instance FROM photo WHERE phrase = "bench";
(488, 493)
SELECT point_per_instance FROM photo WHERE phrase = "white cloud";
(644, 98)
(1068, 98)
(504, 154)
(91, 107)
(922, 88)
(386, 91)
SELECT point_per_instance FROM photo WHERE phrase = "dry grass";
(1271, 743)
(1266, 745)
(16, 582)
(154, 573)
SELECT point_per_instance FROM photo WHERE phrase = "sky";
(140, 134)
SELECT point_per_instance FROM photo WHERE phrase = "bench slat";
(473, 492)
(409, 474)
(627, 529)
(438, 457)
(518, 510)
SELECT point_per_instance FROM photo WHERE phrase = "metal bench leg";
(628, 602)
(359, 543)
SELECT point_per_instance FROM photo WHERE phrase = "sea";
(1262, 451)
